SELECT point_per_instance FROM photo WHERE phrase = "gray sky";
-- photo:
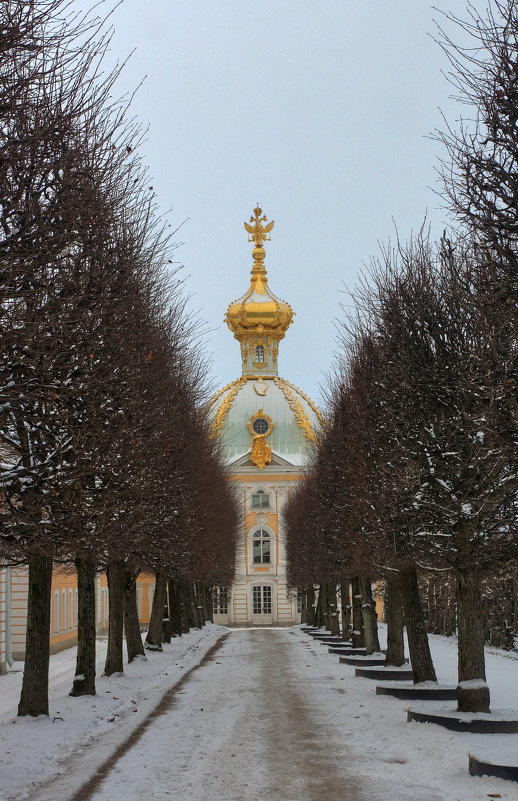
(319, 110)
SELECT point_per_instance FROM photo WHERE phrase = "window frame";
(261, 357)
(262, 598)
(70, 610)
(63, 610)
(220, 600)
(55, 622)
(263, 538)
(263, 495)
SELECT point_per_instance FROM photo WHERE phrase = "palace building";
(267, 428)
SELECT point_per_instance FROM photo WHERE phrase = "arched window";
(259, 354)
(261, 547)
(260, 499)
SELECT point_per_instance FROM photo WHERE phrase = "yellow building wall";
(145, 592)
(63, 607)
(3, 665)
(19, 588)
(378, 595)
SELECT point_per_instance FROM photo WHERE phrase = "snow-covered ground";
(34, 749)
(271, 716)
(402, 761)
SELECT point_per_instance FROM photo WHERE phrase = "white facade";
(259, 595)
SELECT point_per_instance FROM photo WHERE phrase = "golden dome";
(259, 316)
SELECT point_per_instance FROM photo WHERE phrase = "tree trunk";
(155, 631)
(432, 624)
(318, 606)
(188, 621)
(208, 595)
(324, 608)
(202, 602)
(114, 661)
(166, 619)
(34, 698)
(357, 633)
(370, 619)
(84, 680)
(420, 656)
(304, 606)
(175, 607)
(450, 613)
(472, 690)
(134, 644)
(197, 611)
(394, 619)
(332, 616)
(345, 592)
(311, 605)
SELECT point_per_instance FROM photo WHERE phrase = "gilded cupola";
(258, 319)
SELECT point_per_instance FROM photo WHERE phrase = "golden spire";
(258, 319)
(257, 232)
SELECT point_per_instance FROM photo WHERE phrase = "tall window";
(262, 600)
(259, 354)
(261, 547)
(260, 499)
(220, 601)
(55, 627)
(63, 610)
(71, 609)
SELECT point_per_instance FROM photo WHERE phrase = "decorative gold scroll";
(301, 418)
(225, 406)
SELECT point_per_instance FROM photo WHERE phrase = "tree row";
(416, 474)
(105, 458)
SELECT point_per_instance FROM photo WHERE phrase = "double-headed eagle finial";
(258, 232)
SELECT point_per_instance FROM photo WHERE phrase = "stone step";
(418, 692)
(333, 641)
(362, 661)
(480, 766)
(382, 674)
(496, 722)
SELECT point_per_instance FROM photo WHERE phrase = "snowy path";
(271, 716)
(252, 737)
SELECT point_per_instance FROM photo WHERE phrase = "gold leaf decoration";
(225, 406)
(302, 420)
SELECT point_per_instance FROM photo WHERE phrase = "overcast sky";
(317, 109)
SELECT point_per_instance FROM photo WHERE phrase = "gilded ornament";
(313, 406)
(225, 406)
(261, 387)
(258, 232)
(261, 453)
(258, 316)
(263, 416)
(302, 420)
